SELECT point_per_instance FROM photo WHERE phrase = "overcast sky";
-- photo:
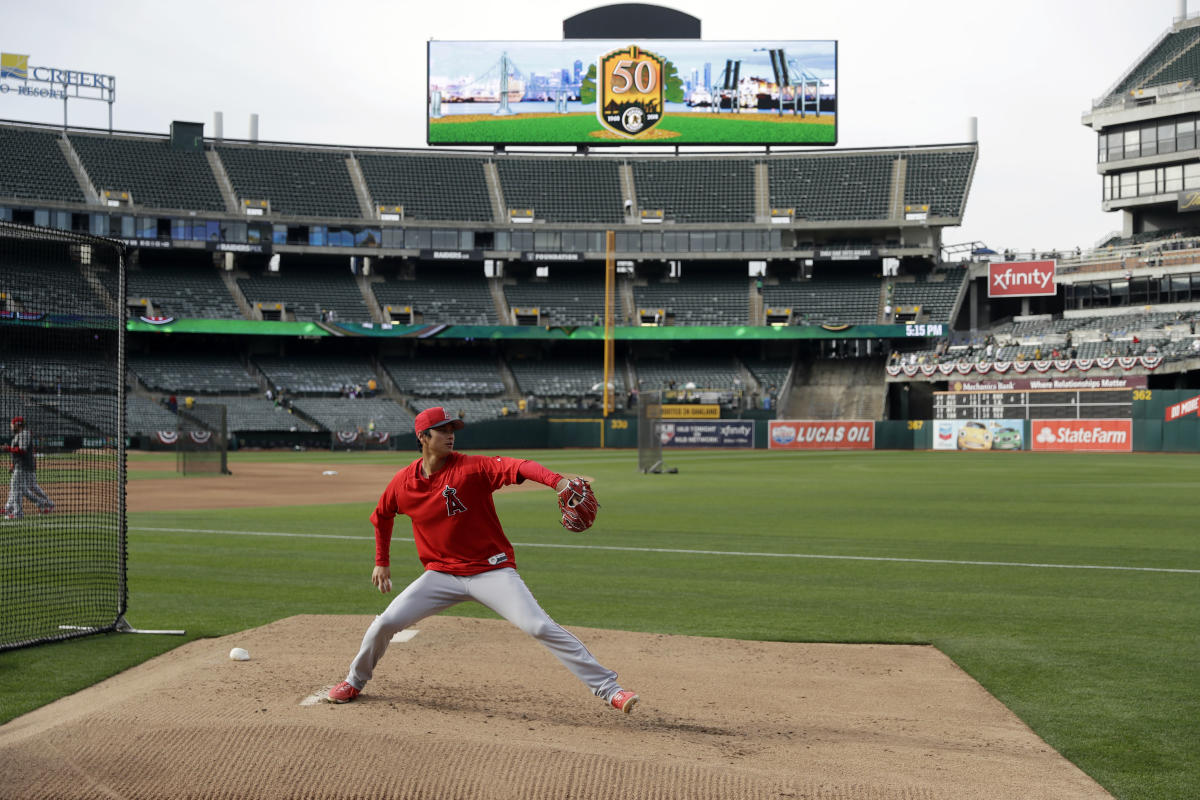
(353, 72)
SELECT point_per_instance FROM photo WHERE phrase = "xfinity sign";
(1021, 279)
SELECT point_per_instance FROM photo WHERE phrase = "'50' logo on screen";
(630, 98)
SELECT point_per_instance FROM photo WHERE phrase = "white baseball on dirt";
(239, 654)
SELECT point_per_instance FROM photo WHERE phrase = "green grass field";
(1067, 585)
(691, 128)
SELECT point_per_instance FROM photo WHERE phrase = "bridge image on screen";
(658, 92)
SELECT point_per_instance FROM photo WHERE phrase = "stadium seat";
(32, 166)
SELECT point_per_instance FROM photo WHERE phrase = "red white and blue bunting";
(167, 437)
(1021, 367)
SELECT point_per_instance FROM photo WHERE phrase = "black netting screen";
(62, 535)
(650, 455)
(203, 442)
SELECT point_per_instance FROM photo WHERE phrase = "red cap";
(435, 417)
(16, 420)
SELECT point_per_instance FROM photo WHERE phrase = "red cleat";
(342, 693)
(623, 701)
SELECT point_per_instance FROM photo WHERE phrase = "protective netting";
(650, 455)
(62, 537)
(203, 439)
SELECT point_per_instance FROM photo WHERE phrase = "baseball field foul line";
(723, 553)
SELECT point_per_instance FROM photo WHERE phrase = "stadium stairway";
(762, 193)
(491, 176)
(223, 182)
(235, 291)
(503, 312)
(896, 201)
(628, 193)
(76, 165)
(838, 389)
(512, 390)
(361, 192)
(364, 286)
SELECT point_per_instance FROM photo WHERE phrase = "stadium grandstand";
(342, 288)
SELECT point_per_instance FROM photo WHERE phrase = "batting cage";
(202, 443)
(62, 402)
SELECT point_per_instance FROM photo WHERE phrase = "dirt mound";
(472, 708)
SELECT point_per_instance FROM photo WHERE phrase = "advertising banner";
(1189, 406)
(726, 433)
(1021, 278)
(793, 434)
(978, 434)
(1097, 435)
(1051, 384)
(612, 92)
(691, 411)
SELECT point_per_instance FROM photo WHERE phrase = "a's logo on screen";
(630, 101)
(14, 65)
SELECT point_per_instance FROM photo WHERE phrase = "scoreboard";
(1035, 404)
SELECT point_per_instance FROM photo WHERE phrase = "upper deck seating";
(152, 172)
(310, 183)
(1143, 73)
(563, 189)
(449, 187)
(696, 190)
(830, 187)
(33, 167)
(939, 179)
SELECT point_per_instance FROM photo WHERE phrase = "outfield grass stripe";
(723, 553)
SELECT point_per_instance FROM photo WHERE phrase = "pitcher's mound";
(471, 708)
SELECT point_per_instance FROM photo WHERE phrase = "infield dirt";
(473, 708)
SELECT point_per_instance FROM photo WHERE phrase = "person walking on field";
(23, 478)
(448, 498)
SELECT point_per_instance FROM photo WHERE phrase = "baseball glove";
(578, 505)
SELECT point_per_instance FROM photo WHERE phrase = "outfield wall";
(1146, 431)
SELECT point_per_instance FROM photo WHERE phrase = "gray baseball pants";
(501, 590)
(22, 484)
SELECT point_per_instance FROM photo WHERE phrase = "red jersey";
(454, 520)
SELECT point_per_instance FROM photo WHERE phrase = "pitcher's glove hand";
(578, 505)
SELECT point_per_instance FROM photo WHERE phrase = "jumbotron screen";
(618, 92)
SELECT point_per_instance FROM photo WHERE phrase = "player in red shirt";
(448, 498)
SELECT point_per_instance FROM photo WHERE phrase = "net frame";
(650, 449)
(63, 573)
(202, 443)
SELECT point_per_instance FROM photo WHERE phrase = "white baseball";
(239, 654)
(387, 586)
